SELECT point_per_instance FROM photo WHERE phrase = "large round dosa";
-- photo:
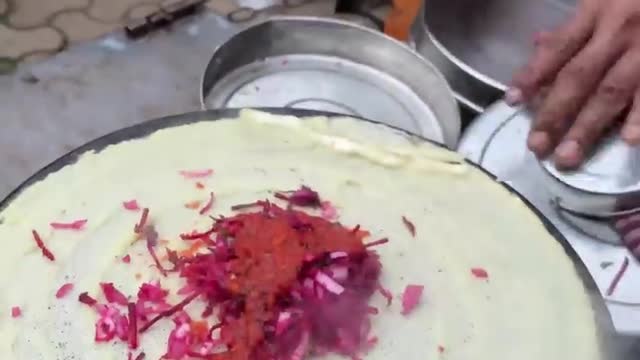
(533, 306)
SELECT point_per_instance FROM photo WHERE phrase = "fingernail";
(631, 133)
(513, 96)
(539, 142)
(568, 153)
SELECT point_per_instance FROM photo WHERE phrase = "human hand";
(585, 74)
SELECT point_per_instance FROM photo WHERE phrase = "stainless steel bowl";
(479, 44)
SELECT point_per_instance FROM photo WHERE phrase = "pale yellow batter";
(533, 307)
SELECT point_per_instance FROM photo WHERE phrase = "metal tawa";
(496, 140)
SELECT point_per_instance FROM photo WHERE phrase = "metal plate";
(502, 127)
(297, 63)
(605, 327)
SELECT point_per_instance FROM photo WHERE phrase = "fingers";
(631, 128)
(570, 90)
(553, 50)
(614, 93)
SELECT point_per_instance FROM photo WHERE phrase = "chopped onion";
(131, 205)
(113, 295)
(480, 273)
(64, 290)
(16, 312)
(411, 298)
(328, 283)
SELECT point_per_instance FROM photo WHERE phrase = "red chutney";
(270, 253)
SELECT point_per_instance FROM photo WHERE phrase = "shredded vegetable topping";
(411, 298)
(196, 174)
(64, 290)
(276, 283)
(45, 251)
(74, 225)
(409, 225)
(480, 273)
(131, 205)
(16, 312)
(616, 279)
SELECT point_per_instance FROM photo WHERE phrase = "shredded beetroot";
(409, 225)
(480, 273)
(376, 243)
(169, 312)
(126, 259)
(304, 197)
(131, 205)
(64, 290)
(196, 174)
(140, 356)
(387, 294)
(411, 298)
(45, 251)
(143, 221)
(133, 326)
(151, 237)
(74, 225)
(197, 236)
(199, 185)
(113, 295)
(208, 205)
(86, 299)
(16, 312)
(616, 280)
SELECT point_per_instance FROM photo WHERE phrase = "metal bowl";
(332, 65)
(478, 45)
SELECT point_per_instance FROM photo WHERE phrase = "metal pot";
(479, 44)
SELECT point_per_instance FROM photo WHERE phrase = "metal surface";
(605, 328)
(596, 228)
(497, 142)
(606, 185)
(479, 44)
(297, 62)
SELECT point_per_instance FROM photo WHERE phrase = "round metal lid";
(614, 168)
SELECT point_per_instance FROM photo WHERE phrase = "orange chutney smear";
(270, 253)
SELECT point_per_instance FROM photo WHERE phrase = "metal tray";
(605, 326)
(297, 63)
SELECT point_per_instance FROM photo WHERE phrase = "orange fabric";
(398, 23)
